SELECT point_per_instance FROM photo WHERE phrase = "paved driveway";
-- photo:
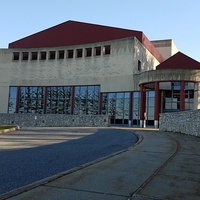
(162, 166)
(31, 154)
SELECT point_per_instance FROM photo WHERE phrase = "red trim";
(67, 34)
(182, 96)
(142, 102)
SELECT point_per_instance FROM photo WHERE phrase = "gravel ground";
(32, 154)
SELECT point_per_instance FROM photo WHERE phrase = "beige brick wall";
(114, 72)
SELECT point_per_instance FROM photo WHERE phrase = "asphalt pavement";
(32, 154)
(159, 166)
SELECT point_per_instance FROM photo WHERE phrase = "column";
(157, 105)
(142, 106)
(182, 96)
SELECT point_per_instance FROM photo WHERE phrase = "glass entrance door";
(171, 98)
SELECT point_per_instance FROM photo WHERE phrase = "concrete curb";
(9, 130)
(57, 176)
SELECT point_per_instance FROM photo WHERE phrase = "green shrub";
(5, 127)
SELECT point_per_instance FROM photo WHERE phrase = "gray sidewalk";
(160, 166)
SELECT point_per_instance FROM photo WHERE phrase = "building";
(78, 68)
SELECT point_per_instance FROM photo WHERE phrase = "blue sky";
(158, 19)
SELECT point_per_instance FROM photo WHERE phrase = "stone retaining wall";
(59, 120)
(187, 122)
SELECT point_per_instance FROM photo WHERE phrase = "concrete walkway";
(160, 166)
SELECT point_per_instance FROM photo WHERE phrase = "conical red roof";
(179, 61)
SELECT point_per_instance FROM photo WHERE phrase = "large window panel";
(116, 105)
(31, 100)
(120, 103)
(21, 99)
(77, 100)
(86, 100)
(12, 100)
(57, 100)
(126, 104)
(119, 95)
(104, 104)
(119, 111)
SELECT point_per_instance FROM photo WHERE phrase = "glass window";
(104, 103)
(136, 100)
(189, 86)
(150, 93)
(97, 51)
(70, 53)
(86, 100)
(59, 100)
(127, 95)
(191, 105)
(88, 52)
(189, 96)
(112, 102)
(111, 95)
(176, 85)
(25, 55)
(43, 55)
(79, 53)
(106, 49)
(126, 104)
(16, 55)
(120, 102)
(151, 101)
(126, 116)
(34, 55)
(13, 92)
(31, 100)
(120, 95)
(61, 54)
(12, 100)
(34, 92)
(52, 55)
(117, 106)
(150, 98)
(151, 112)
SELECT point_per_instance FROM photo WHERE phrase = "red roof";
(179, 61)
(76, 33)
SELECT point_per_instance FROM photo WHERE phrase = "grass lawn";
(5, 127)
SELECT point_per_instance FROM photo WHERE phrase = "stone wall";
(187, 122)
(31, 120)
